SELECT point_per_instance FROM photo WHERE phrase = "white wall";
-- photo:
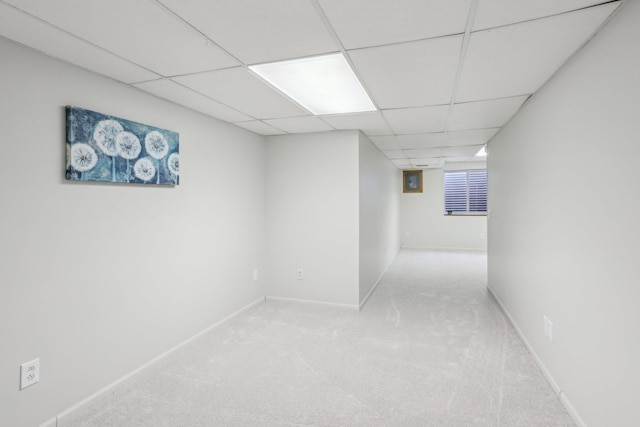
(564, 231)
(423, 223)
(98, 279)
(379, 214)
(312, 211)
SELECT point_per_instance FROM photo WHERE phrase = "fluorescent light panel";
(321, 84)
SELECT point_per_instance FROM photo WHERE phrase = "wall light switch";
(255, 275)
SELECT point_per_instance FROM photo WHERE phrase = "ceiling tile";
(385, 142)
(260, 128)
(495, 13)
(461, 151)
(372, 124)
(518, 59)
(303, 124)
(23, 28)
(465, 159)
(365, 23)
(417, 120)
(409, 74)
(402, 163)
(440, 139)
(241, 90)
(484, 114)
(394, 154)
(174, 92)
(427, 163)
(164, 43)
(259, 31)
(423, 153)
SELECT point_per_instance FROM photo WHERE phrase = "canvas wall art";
(110, 149)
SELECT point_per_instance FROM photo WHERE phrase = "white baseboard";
(552, 382)
(69, 413)
(307, 301)
(375, 285)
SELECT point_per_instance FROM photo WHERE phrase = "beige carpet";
(430, 348)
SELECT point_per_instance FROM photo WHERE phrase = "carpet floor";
(430, 348)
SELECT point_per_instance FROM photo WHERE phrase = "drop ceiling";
(444, 75)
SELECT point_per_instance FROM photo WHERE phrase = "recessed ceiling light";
(482, 152)
(321, 84)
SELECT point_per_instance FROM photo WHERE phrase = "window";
(465, 192)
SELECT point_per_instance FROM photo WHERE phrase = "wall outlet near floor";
(29, 373)
(548, 328)
(299, 274)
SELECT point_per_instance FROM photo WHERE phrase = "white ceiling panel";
(164, 43)
(464, 159)
(450, 139)
(461, 151)
(423, 153)
(261, 128)
(421, 140)
(366, 23)
(484, 114)
(495, 13)
(302, 124)
(174, 92)
(409, 74)
(23, 28)
(518, 59)
(394, 154)
(241, 90)
(417, 120)
(259, 31)
(402, 163)
(385, 142)
(372, 124)
(427, 163)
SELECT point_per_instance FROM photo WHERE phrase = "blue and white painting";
(110, 149)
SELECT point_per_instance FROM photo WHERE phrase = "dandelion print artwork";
(110, 149)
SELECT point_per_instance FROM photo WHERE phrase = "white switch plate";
(29, 373)
(255, 275)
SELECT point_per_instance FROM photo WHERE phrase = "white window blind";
(465, 191)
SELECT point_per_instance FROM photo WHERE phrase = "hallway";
(430, 348)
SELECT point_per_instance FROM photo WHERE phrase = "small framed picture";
(412, 181)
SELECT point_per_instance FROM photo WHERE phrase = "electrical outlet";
(299, 274)
(29, 373)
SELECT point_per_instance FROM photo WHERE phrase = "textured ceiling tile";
(181, 95)
(417, 120)
(409, 74)
(23, 28)
(518, 59)
(259, 31)
(385, 142)
(495, 13)
(484, 114)
(372, 124)
(260, 128)
(365, 23)
(241, 90)
(143, 32)
(303, 124)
